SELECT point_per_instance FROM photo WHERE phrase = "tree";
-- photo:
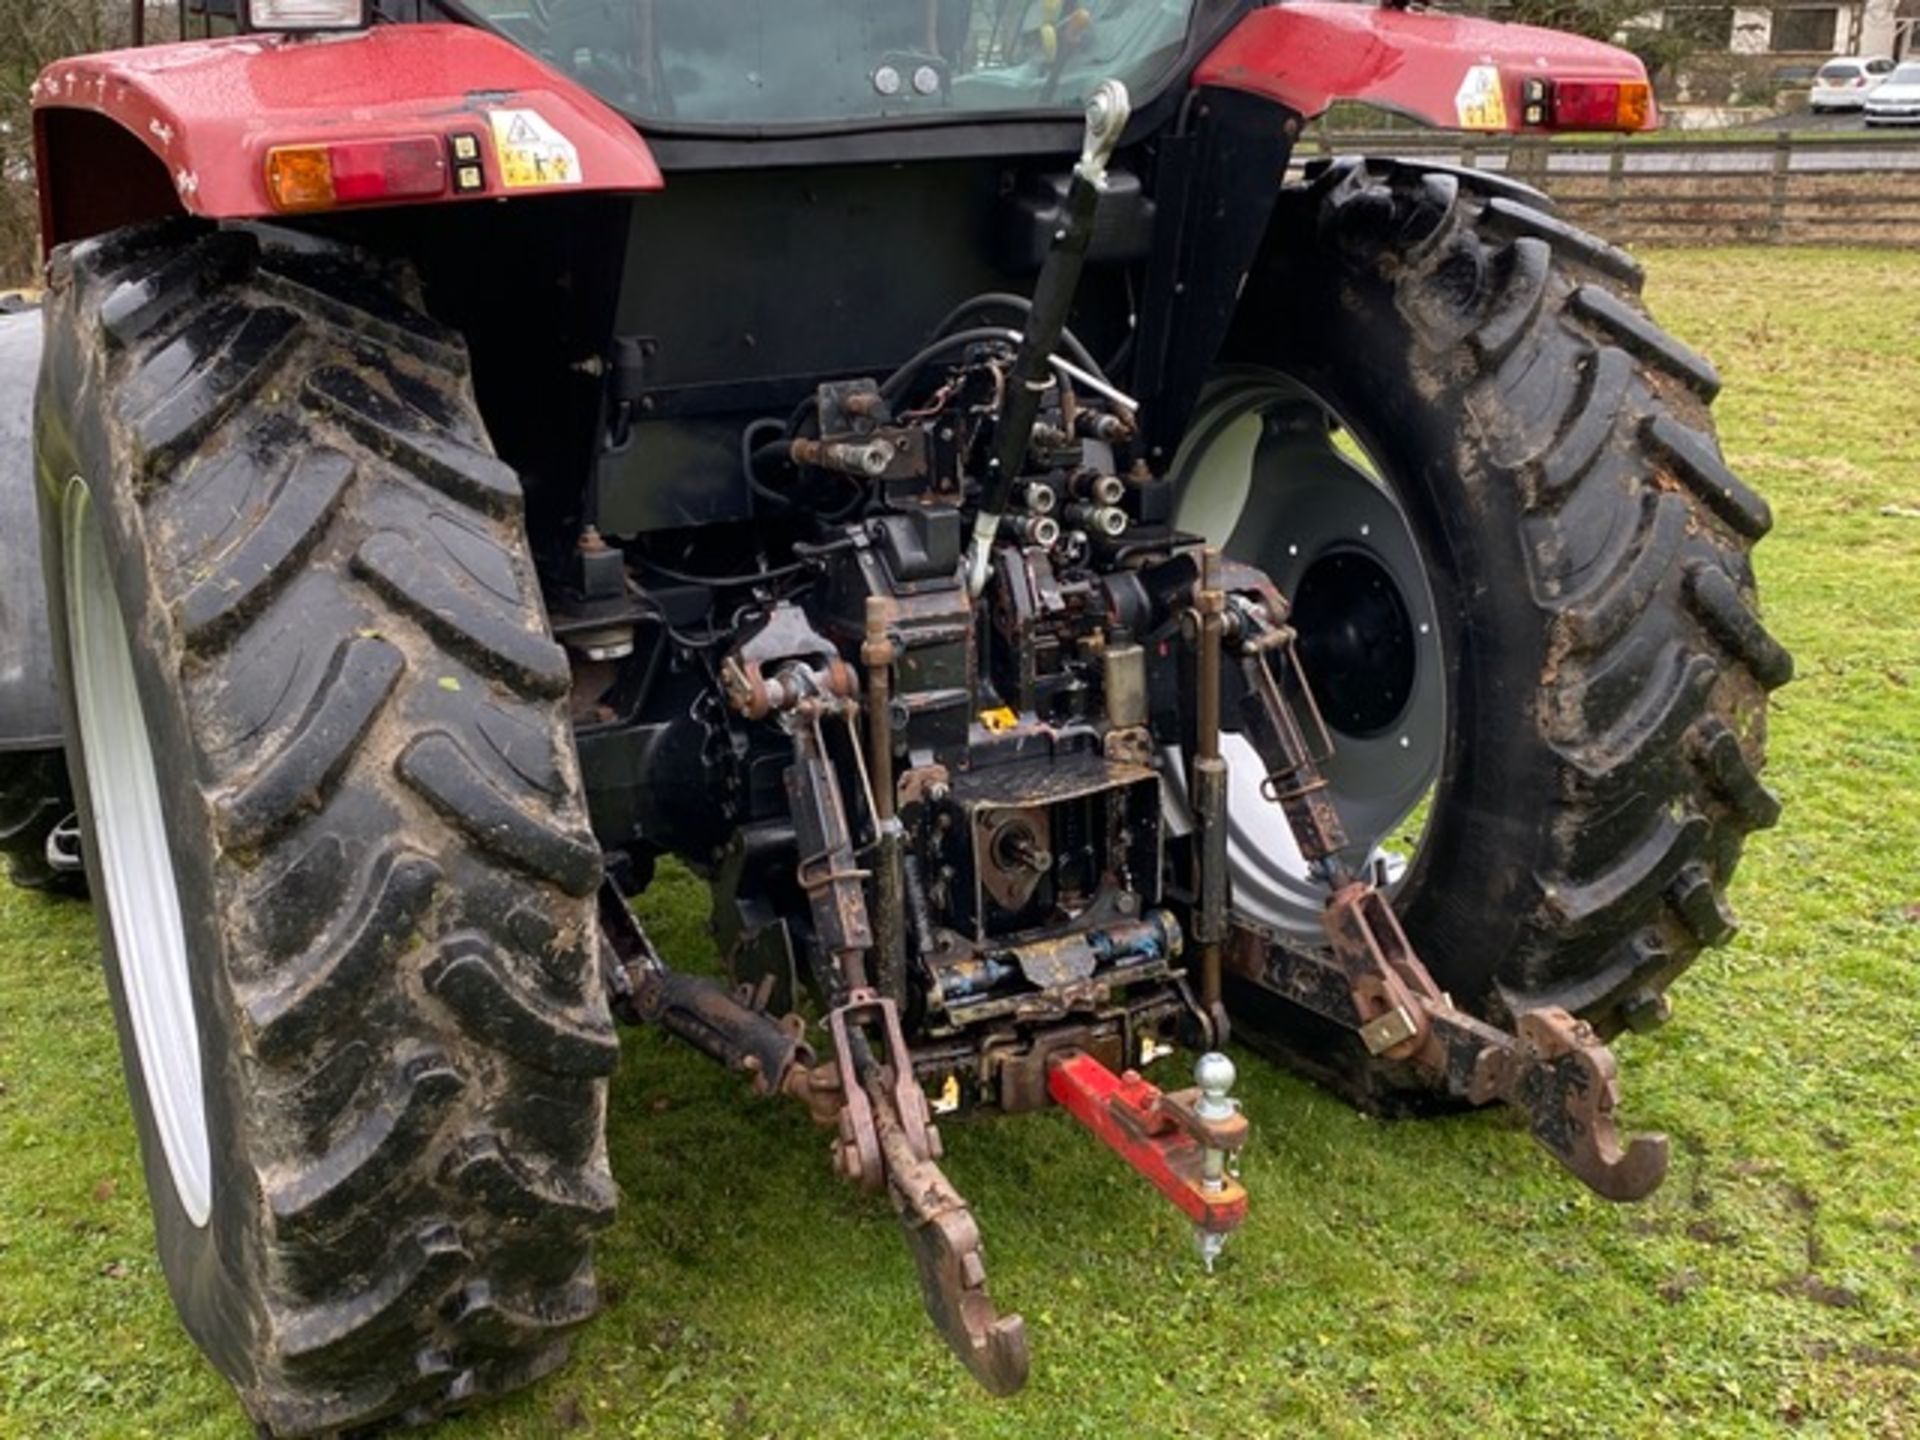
(1629, 23)
(33, 33)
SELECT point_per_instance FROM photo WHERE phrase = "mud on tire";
(1607, 667)
(375, 818)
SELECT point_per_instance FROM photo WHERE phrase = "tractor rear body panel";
(1454, 71)
(212, 111)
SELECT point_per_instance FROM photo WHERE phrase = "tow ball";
(1186, 1143)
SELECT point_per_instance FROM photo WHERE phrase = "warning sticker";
(1481, 103)
(531, 151)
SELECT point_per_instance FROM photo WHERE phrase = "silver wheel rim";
(1269, 472)
(136, 866)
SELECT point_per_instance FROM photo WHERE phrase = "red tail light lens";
(354, 172)
(1588, 104)
(388, 169)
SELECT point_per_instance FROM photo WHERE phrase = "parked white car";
(1896, 100)
(1845, 84)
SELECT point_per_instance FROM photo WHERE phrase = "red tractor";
(1070, 589)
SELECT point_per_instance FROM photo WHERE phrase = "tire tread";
(404, 1146)
(1654, 661)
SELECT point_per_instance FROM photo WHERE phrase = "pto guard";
(211, 111)
(1453, 71)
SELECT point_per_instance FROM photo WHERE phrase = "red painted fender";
(1442, 69)
(210, 110)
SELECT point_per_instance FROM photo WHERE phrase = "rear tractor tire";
(1455, 419)
(333, 818)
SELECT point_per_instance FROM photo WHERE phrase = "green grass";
(1419, 1279)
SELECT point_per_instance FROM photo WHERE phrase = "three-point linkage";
(845, 725)
(1553, 1069)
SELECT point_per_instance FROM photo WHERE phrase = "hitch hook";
(887, 1140)
(1568, 1084)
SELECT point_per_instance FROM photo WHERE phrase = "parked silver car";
(1896, 100)
(1845, 84)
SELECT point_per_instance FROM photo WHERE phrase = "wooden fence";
(1787, 189)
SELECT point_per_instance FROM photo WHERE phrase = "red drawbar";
(1128, 1115)
(1449, 70)
(466, 106)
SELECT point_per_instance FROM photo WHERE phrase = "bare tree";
(32, 34)
(1622, 22)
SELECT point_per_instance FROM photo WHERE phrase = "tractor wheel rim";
(136, 865)
(1271, 472)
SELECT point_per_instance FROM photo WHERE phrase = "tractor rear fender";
(29, 703)
(131, 135)
(1448, 70)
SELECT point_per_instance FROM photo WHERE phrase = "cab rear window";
(834, 62)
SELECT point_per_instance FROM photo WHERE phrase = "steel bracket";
(1555, 1071)
(1159, 1135)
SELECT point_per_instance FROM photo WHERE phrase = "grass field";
(1419, 1279)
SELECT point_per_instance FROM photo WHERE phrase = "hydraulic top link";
(1106, 117)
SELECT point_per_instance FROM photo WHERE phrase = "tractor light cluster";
(1587, 104)
(356, 172)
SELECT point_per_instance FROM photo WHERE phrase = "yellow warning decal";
(1482, 101)
(531, 151)
(1000, 720)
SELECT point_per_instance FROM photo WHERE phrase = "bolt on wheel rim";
(1270, 472)
(136, 866)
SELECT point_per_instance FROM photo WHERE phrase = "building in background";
(1731, 58)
